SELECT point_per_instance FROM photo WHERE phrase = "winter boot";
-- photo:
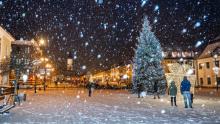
(175, 101)
(171, 101)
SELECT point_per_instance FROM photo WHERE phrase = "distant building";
(23, 57)
(207, 62)
(178, 56)
(122, 75)
(5, 52)
(116, 76)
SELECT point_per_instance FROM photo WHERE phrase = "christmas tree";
(147, 67)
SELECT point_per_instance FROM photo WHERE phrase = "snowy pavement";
(73, 106)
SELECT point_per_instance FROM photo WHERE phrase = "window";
(200, 65)
(218, 80)
(201, 81)
(217, 63)
(209, 80)
(207, 65)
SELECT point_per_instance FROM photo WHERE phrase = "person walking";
(185, 91)
(140, 88)
(172, 91)
(156, 92)
(90, 87)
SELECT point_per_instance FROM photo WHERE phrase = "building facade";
(5, 52)
(208, 65)
(23, 57)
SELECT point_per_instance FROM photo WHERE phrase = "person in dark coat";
(90, 87)
(140, 88)
(185, 91)
(156, 91)
(172, 91)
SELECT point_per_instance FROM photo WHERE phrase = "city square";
(109, 62)
(73, 106)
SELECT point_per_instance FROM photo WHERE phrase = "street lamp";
(42, 44)
(45, 70)
(216, 70)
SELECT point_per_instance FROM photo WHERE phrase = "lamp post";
(45, 71)
(42, 43)
(35, 80)
(216, 71)
(35, 83)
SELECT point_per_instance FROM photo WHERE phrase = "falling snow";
(109, 28)
(197, 24)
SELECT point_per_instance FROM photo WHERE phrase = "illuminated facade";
(5, 52)
(208, 65)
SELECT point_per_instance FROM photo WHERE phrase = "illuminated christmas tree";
(147, 67)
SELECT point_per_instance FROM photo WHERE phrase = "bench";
(6, 108)
(6, 90)
(7, 94)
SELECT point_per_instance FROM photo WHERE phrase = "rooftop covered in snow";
(211, 48)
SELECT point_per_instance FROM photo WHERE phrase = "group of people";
(172, 91)
(185, 91)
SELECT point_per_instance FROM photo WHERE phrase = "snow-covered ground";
(73, 106)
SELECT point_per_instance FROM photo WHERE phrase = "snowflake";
(98, 56)
(197, 24)
(199, 43)
(163, 111)
(184, 30)
(99, 1)
(83, 67)
(156, 8)
(23, 14)
(86, 44)
(81, 34)
(143, 2)
(189, 18)
(155, 20)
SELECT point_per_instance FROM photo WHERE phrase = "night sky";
(99, 34)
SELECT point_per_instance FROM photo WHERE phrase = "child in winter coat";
(172, 92)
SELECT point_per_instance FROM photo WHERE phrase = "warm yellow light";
(33, 41)
(41, 41)
(48, 73)
(48, 65)
(44, 59)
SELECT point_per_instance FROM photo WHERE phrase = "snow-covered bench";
(6, 98)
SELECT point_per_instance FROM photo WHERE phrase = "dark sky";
(100, 33)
